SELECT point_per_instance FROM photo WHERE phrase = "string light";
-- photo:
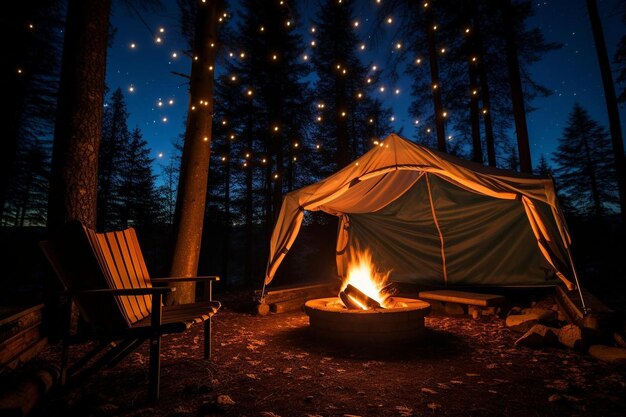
(313, 29)
(233, 78)
(223, 159)
(389, 20)
(428, 130)
(397, 91)
(369, 80)
(362, 47)
(295, 159)
(475, 92)
(165, 120)
(131, 89)
(374, 68)
(435, 86)
(161, 30)
(392, 118)
(467, 30)
(474, 59)
(158, 39)
(444, 114)
(174, 55)
(382, 89)
(484, 111)
(317, 146)
(356, 23)
(417, 122)
(306, 57)
(160, 155)
(249, 92)
(19, 70)
(232, 136)
(275, 176)
(242, 55)
(206, 138)
(296, 144)
(398, 45)
(31, 26)
(133, 45)
(274, 57)
(343, 114)
(275, 128)
(261, 29)
(443, 50)
(418, 61)
(359, 95)
(312, 43)
(160, 103)
(288, 23)
(371, 121)
(170, 102)
(435, 27)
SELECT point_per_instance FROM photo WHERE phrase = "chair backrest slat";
(120, 269)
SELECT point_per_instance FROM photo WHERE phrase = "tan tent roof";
(398, 169)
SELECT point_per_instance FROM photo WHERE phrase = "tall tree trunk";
(479, 59)
(435, 83)
(227, 228)
(194, 170)
(249, 201)
(477, 150)
(517, 95)
(341, 122)
(74, 173)
(611, 104)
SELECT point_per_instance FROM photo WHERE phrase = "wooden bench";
(462, 297)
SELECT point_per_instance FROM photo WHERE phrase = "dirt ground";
(270, 366)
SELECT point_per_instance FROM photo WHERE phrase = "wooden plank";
(15, 345)
(9, 314)
(294, 292)
(461, 297)
(25, 355)
(17, 322)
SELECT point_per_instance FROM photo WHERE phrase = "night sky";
(137, 61)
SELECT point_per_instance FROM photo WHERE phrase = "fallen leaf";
(433, 406)
(404, 411)
(225, 400)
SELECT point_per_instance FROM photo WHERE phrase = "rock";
(615, 355)
(437, 306)
(454, 309)
(620, 339)
(514, 311)
(474, 311)
(542, 314)
(573, 337)
(538, 336)
(529, 317)
(520, 323)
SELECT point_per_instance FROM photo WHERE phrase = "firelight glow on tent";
(436, 219)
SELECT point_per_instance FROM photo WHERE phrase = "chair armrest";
(184, 279)
(129, 291)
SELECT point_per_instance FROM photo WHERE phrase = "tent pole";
(580, 292)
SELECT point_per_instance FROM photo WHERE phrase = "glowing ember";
(363, 275)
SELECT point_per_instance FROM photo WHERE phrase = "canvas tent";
(436, 219)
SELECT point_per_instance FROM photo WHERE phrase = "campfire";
(365, 288)
(366, 310)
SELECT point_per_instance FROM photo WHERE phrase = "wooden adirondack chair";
(106, 276)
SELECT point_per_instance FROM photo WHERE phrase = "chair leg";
(155, 367)
(207, 339)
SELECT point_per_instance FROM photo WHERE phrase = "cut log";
(289, 305)
(362, 299)
(462, 297)
(28, 390)
(348, 302)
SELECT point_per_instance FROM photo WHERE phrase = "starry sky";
(147, 50)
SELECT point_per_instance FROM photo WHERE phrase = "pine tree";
(136, 194)
(348, 118)
(543, 167)
(113, 147)
(30, 70)
(585, 171)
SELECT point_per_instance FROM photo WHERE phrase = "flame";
(363, 275)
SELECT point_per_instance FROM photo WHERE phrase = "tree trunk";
(341, 122)
(74, 173)
(249, 202)
(435, 84)
(227, 228)
(611, 104)
(479, 59)
(517, 95)
(194, 170)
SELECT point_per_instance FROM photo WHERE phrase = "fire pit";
(365, 312)
(329, 319)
